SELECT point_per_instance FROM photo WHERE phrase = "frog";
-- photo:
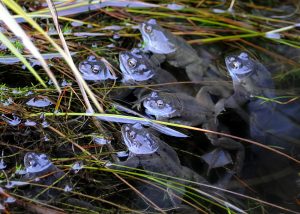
(148, 151)
(178, 53)
(97, 72)
(93, 69)
(138, 69)
(187, 110)
(270, 123)
(39, 169)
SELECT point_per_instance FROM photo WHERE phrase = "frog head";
(36, 162)
(239, 66)
(95, 70)
(162, 105)
(250, 75)
(135, 66)
(156, 39)
(138, 139)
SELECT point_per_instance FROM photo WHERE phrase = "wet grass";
(249, 26)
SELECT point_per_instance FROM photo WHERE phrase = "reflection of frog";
(177, 51)
(137, 68)
(95, 70)
(152, 154)
(41, 170)
(186, 110)
(270, 122)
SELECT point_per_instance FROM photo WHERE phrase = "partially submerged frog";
(97, 71)
(39, 169)
(270, 123)
(93, 69)
(178, 53)
(146, 150)
(176, 108)
(138, 68)
(186, 110)
(176, 50)
(150, 152)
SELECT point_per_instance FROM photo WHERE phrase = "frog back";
(276, 124)
(192, 112)
(164, 161)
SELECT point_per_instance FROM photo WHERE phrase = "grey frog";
(41, 170)
(152, 154)
(187, 110)
(93, 69)
(270, 122)
(177, 51)
(96, 71)
(176, 108)
(138, 68)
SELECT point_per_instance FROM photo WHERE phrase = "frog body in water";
(270, 123)
(138, 69)
(187, 110)
(176, 108)
(176, 51)
(41, 170)
(96, 71)
(152, 154)
(148, 151)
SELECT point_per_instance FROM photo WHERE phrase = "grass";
(72, 118)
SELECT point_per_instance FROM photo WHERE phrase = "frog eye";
(148, 28)
(160, 103)
(131, 134)
(244, 55)
(231, 59)
(236, 64)
(33, 163)
(131, 62)
(95, 69)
